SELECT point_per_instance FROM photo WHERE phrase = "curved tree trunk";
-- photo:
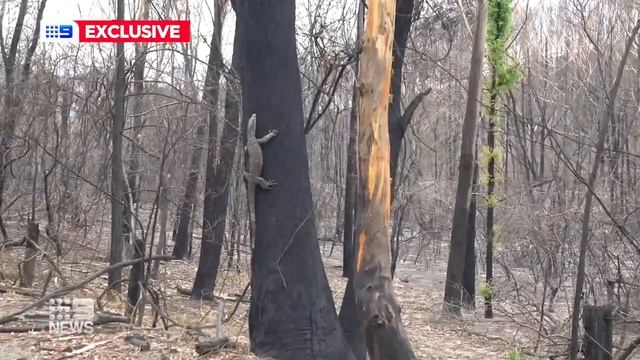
(292, 314)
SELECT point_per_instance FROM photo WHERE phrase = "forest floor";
(418, 289)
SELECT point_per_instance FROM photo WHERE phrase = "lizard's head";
(251, 126)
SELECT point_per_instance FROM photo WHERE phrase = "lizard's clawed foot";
(275, 132)
(267, 184)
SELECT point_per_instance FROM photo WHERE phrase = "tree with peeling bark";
(378, 309)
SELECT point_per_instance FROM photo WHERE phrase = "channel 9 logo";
(58, 32)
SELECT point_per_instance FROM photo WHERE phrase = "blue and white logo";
(58, 31)
(62, 32)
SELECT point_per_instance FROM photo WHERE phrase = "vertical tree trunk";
(161, 248)
(211, 251)
(181, 238)
(458, 248)
(398, 124)
(598, 337)
(469, 273)
(491, 199)
(350, 188)
(33, 233)
(117, 176)
(137, 270)
(352, 165)
(182, 234)
(292, 314)
(378, 310)
(204, 280)
(603, 129)
(30, 255)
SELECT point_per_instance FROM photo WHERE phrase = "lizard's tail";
(251, 194)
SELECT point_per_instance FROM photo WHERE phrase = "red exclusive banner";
(138, 31)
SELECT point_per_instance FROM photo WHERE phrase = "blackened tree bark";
(350, 189)
(348, 315)
(458, 248)
(182, 247)
(352, 164)
(292, 314)
(469, 273)
(378, 310)
(491, 203)
(210, 98)
(181, 238)
(211, 250)
(117, 175)
(399, 121)
(137, 270)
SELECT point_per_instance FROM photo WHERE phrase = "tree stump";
(598, 337)
(30, 254)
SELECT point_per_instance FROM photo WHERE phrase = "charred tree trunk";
(292, 314)
(161, 249)
(117, 175)
(378, 310)
(181, 238)
(350, 189)
(182, 234)
(137, 270)
(491, 202)
(30, 254)
(598, 327)
(348, 315)
(399, 122)
(211, 251)
(469, 273)
(352, 167)
(459, 231)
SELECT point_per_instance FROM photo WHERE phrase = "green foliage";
(485, 290)
(515, 354)
(492, 201)
(497, 231)
(498, 33)
(489, 154)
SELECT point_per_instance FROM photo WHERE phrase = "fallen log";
(208, 347)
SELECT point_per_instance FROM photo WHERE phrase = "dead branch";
(78, 285)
